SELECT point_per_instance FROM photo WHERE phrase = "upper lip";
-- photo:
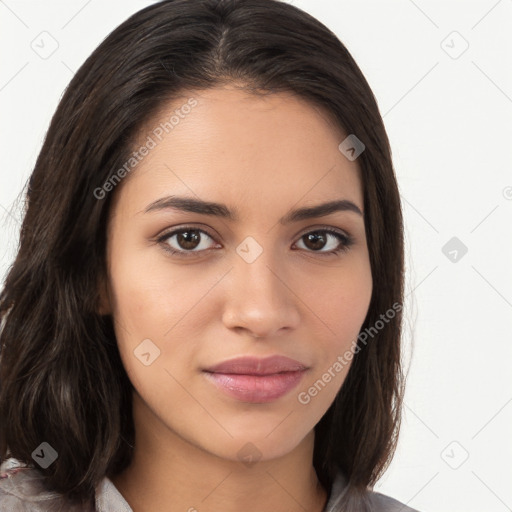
(257, 366)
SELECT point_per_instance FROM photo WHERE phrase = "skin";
(262, 156)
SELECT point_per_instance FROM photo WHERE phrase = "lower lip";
(254, 388)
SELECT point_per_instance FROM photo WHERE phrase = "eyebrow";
(189, 204)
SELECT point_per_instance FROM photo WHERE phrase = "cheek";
(136, 304)
(342, 307)
(153, 301)
(343, 303)
(145, 297)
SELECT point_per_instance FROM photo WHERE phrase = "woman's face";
(250, 278)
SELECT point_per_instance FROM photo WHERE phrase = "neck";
(168, 473)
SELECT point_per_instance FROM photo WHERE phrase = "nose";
(260, 302)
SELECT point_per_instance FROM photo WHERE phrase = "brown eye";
(185, 240)
(320, 239)
(315, 241)
(188, 241)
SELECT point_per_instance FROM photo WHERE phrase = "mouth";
(256, 380)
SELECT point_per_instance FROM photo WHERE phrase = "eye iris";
(315, 237)
(188, 239)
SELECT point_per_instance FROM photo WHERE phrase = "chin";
(258, 444)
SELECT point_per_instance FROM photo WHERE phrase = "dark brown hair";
(61, 377)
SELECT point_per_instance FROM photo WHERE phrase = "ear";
(104, 303)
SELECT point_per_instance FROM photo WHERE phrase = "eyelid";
(183, 227)
(345, 242)
(330, 229)
(167, 234)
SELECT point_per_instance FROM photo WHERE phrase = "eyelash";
(346, 241)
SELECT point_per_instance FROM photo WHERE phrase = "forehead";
(259, 150)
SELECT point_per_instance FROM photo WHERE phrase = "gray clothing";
(21, 490)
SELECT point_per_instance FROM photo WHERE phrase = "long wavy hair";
(61, 376)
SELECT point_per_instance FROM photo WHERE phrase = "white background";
(448, 116)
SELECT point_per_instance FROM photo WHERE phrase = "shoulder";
(383, 503)
(22, 490)
(371, 500)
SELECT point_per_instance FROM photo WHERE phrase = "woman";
(205, 309)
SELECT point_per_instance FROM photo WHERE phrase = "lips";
(255, 380)
(257, 366)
